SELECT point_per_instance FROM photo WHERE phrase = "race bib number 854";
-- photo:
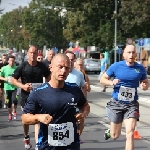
(60, 134)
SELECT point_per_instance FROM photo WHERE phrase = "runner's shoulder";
(42, 87)
(71, 85)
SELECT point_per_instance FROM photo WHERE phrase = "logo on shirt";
(137, 70)
(72, 102)
(72, 99)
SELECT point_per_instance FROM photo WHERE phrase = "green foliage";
(91, 22)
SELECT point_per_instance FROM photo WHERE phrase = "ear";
(50, 67)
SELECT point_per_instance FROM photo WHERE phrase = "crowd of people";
(54, 96)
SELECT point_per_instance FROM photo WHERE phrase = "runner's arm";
(4, 79)
(88, 83)
(85, 109)
(32, 119)
(17, 83)
(105, 80)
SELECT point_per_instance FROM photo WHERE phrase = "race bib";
(126, 93)
(9, 79)
(60, 134)
(35, 85)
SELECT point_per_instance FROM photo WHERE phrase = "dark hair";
(70, 52)
(4, 55)
(102, 55)
(33, 46)
(11, 56)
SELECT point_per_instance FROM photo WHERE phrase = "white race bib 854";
(126, 93)
(60, 134)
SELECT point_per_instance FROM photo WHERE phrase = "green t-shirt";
(7, 72)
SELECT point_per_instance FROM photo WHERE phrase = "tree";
(135, 20)
(91, 22)
(1, 10)
(43, 24)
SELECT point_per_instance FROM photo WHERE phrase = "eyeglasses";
(39, 58)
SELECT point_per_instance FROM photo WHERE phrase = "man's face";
(60, 69)
(4, 59)
(129, 54)
(79, 65)
(32, 54)
(50, 55)
(11, 61)
(72, 59)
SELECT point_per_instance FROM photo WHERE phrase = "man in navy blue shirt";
(124, 105)
(54, 105)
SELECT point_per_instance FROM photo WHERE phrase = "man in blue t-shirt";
(54, 105)
(103, 68)
(124, 105)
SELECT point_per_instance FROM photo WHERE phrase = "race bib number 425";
(60, 134)
(126, 93)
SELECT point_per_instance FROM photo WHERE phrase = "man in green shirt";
(10, 89)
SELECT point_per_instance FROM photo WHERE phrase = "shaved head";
(130, 47)
(32, 47)
(50, 55)
(58, 56)
(129, 54)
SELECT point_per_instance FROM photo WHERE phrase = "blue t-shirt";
(129, 76)
(103, 64)
(77, 77)
(61, 104)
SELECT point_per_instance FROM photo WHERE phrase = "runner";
(104, 66)
(3, 63)
(124, 105)
(50, 55)
(10, 90)
(79, 66)
(75, 76)
(47, 62)
(31, 73)
(54, 106)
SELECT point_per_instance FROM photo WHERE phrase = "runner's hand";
(143, 86)
(115, 81)
(27, 87)
(45, 118)
(80, 117)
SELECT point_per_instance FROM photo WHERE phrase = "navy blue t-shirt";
(129, 76)
(61, 104)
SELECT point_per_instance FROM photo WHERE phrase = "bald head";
(50, 55)
(58, 57)
(32, 47)
(129, 47)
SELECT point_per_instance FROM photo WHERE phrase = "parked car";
(92, 65)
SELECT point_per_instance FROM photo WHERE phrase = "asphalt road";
(11, 133)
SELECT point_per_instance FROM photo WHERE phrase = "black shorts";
(23, 100)
(1, 84)
(11, 97)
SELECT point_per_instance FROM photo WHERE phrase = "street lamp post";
(115, 44)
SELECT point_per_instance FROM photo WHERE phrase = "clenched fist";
(45, 118)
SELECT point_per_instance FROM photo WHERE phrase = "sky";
(9, 5)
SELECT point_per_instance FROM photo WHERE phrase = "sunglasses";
(39, 58)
